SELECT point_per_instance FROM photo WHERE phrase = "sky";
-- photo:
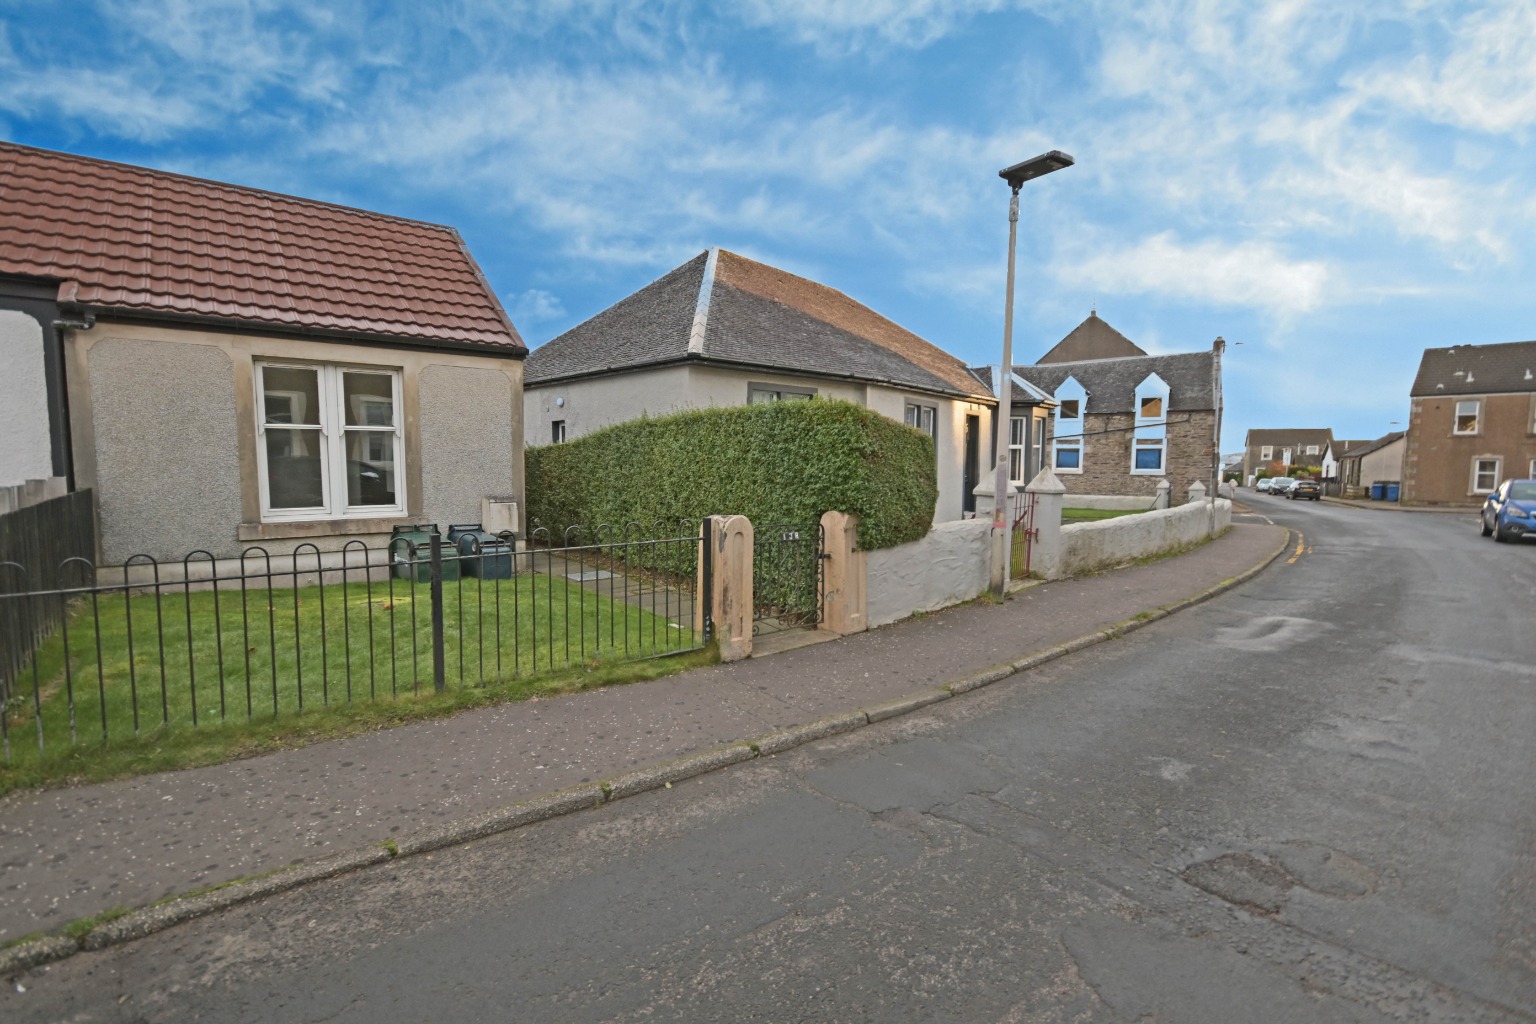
(1332, 188)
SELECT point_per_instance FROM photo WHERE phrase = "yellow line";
(1301, 546)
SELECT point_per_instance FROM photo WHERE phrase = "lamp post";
(1002, 535)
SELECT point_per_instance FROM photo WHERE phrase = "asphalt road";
(1311, 799)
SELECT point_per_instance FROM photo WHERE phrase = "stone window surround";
(1498, 470)
(1476, 416)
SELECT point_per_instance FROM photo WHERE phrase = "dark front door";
(972, 463)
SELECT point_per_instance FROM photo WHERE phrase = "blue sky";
(1335, 190)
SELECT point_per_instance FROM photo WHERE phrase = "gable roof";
(726, 309)
(1373, 446)
(1291, 437)
(132, 241)
(1091, 339)
(1111, 383)
(1476, 369)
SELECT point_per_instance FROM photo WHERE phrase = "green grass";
(1093, 515)
(268, 675)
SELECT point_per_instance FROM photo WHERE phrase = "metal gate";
(788, 584)
(1024, 533)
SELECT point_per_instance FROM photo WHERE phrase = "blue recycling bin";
(1378, 491)
(1393, 489)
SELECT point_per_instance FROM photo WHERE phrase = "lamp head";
(1034, 167)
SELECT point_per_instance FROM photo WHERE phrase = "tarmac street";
(1306, 799)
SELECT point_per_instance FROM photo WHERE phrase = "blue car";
(1510, 512)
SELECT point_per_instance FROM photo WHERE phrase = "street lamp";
(1002, 534)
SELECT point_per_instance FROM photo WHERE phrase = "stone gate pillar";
(845, 579)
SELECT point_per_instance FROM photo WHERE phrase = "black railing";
(151, 645)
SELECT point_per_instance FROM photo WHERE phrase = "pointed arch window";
(1067, 436)
(1149, 447)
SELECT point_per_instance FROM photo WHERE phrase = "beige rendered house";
(1375, 462)
(228, 367)
(723, 330)
(1471, 424)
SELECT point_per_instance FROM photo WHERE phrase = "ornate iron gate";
(1024, 533)
(788, 584)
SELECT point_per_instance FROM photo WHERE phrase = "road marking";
(1301, 548)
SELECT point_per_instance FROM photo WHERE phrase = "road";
(1311, 799)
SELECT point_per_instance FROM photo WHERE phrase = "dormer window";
(1149, 446)
(1067, 442)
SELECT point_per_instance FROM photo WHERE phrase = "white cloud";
(536, 306)
(1245, 274)
(842, 24)
(1487, 82)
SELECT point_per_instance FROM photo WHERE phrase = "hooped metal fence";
(106, 652)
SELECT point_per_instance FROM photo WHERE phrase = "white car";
(1264, 485)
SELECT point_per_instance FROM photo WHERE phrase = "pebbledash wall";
(1106, 456)
(164, 428)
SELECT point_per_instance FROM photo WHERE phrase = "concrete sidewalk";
(72, 853)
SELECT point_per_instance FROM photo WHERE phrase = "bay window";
(329, 442)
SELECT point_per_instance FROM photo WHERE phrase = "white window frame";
(331, 433)
(557, 431)
(1017, 453)
(1311, 449)
(1267, 453)
(1533, 469)
(1477, 417)
(1067, 432)
(1498, 473)
(920, 416)
(1150, 433)
(1069, 445)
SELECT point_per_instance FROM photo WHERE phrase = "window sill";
(321, 528)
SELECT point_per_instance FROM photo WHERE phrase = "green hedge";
(782, 462)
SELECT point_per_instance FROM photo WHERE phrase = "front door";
(972, 464)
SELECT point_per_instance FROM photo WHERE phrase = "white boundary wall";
(947, 566)
(1108, 502)
(1110, 542)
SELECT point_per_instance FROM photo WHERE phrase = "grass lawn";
(244, 672)
(1092, 515)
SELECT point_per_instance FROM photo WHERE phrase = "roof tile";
(137, 240)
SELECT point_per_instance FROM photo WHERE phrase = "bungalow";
(225, 366)
(725, 330)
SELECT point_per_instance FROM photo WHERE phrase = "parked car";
(1264, 485)
(1309, 489)
(1510, 511)
(1282, 486)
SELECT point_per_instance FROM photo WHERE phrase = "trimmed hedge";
(782, 462)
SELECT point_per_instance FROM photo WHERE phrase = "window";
(1149, 455)
(1067, 435)
(757, 394)
(1311, 449)
(1485, 475)
(1068, 410)
(1069, 456)
(1466, 416)
(1016, 434)
(330, 443)
(1267, 453)
(1149, 443)
(1532, 473)
(557, 432)
(924, 418)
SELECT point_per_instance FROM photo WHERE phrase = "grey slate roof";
(1111, 383)
(1291, 437)
(1476, 370)
(735, 311)
(1376, 445)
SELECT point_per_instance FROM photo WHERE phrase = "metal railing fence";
(147, 645)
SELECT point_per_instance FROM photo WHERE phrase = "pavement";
(180, 844)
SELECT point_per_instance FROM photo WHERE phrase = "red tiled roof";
(145, 242)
